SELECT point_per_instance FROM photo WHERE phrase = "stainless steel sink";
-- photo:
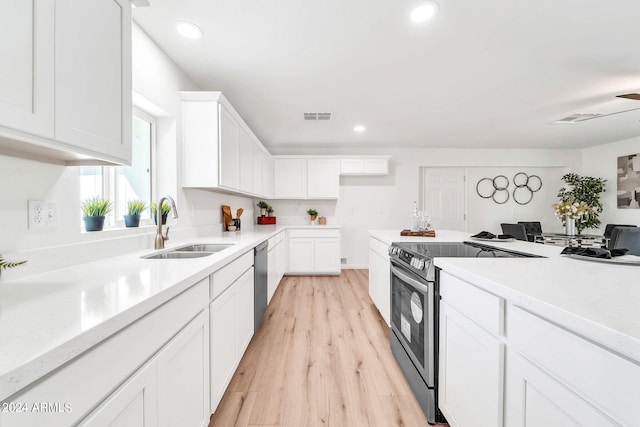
(191, 251)
(205, 247)
(178, 255)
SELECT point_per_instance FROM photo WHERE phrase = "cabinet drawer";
(606, 380)
(276, 240)
(224, 277)
(481, 306)
(327, 232)
(379, 247)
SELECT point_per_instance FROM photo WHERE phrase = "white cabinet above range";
(306, 178)
(219, 150)
(365, 166)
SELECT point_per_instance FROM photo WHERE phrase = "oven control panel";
(408, 258)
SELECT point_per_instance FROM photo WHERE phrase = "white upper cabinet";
(219, 150)
(93, 76)
(65, 83)
(323, 178)
(246, 170)
(290, 179)
(262, 172)
(26, 75)
(306, 178)
(229, 150)
(365, 166)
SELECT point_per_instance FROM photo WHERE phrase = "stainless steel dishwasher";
(260, 267)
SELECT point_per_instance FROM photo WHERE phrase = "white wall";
(486, 215)
(385, 202)
(602, 162)
(158, 79)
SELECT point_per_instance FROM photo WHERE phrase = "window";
(123, 183)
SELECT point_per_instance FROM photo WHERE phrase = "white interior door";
(444, 197)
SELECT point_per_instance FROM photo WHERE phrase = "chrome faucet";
(160, 238)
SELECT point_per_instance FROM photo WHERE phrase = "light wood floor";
(320, 358)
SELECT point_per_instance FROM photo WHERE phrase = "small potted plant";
(94, 210)
(263, 207)
(269, 210)
(134, 209)
(312, 214)
(166, 207)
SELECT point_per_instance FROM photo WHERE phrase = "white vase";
(570, 227)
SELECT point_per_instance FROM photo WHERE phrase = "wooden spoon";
(239, 212)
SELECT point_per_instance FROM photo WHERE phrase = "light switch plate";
(42, 214)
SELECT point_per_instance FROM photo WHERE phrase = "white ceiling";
(483, 73)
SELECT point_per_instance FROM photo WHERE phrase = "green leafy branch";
(6, 264)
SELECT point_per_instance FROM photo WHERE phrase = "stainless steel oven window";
(411, 318)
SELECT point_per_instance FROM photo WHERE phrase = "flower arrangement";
(570, 209)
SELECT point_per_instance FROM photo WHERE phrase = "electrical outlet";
(42, 214)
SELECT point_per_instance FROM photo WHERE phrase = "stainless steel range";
(415, 296)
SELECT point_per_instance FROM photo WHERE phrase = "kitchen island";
(536, 341)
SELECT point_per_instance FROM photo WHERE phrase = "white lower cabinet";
(134, 404)
(380, 278)
(535, 399)
(183, 377)
(301, 254)
(538, 374)
(231, 319)
(222, 313)
(313, 251)
(471, 371)
(172, 389)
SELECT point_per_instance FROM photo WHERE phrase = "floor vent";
(315, 117)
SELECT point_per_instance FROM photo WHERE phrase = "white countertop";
(597, 300)
(50, 318)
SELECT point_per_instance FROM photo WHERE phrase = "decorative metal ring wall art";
(499, 185)
(496, 188)
(525, 185)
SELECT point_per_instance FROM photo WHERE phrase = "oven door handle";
(413, 282)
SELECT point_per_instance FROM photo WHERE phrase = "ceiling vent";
(578, 117)
(316, 117)
(621, 104)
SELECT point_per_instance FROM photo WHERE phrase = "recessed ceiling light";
(424, 12)
(359, 128)
(188, 30)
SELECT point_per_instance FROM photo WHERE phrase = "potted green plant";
(134, 209)
(95, 209)
(269, 210)
(263, 207)
(6, 264)
(584, 192)
(166, 208)
(312, 214)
